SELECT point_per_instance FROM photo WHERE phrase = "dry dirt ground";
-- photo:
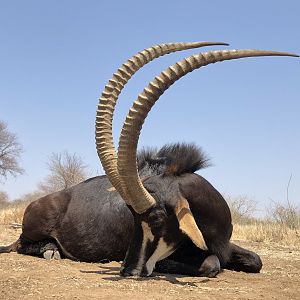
(25, 277)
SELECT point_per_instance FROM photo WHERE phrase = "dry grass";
(12, 213)
(256, 231)
(268, 232)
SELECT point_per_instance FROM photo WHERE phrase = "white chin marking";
(147, 236)
(162, 251)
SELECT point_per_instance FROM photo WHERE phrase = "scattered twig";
(15, 225)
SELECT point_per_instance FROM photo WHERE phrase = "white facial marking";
(147, 236)
(162, 251)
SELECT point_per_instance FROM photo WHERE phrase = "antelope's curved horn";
(109, 97)
(141, 200)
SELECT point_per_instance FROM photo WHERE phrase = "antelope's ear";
(187, 223)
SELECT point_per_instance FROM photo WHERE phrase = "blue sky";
(56, 56)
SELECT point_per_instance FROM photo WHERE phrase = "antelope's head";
(162, 217)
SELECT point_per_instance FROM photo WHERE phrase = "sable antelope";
(150, 210)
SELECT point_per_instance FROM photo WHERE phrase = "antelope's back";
(97, 224)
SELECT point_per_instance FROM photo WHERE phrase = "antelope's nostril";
(125, 273)
(146, 273)
(129, 271)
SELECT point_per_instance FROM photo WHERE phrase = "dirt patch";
(26, 277)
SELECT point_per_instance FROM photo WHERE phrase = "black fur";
(173, 159)
(90, 222)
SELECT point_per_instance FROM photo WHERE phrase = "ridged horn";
(141, 200)
(109, 97)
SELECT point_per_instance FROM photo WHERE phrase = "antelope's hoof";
(51, 254)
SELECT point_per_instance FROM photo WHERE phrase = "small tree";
(65, 170)
(3, 199)
(242, 208)
(284, 214)
(10, 151)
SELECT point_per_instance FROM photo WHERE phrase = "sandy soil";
(25, 277)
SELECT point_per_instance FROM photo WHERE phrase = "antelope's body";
(90, 221)
(173, 219)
